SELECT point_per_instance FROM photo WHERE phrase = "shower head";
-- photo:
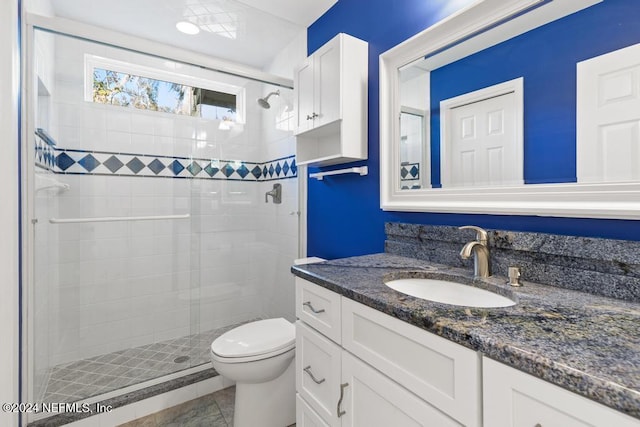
(264, 102)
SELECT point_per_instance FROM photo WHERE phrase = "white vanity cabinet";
(356, 366)
(512, 398)
(378, 371)
(330, 103)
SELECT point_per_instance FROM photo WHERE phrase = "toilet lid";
(255, 338)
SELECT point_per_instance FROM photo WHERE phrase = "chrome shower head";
(264, 102)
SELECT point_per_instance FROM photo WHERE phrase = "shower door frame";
(66, 27)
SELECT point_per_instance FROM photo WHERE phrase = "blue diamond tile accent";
(227, 170)
(64, 162)
(414, 172)
(113, 164)
(156, 166)
(194, 168)
(242, 171)
(59, 161)
(176, 167)
(135, 165)
(89, 162)
(211, 170)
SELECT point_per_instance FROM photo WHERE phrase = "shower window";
(128, 85)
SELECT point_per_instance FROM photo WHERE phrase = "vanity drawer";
(319, 308)
(443, 373)
(515, 399)
(317, 371)
(306, 416)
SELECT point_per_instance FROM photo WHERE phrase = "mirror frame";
(483, 24)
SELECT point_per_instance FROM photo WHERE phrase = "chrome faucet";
(480, 250)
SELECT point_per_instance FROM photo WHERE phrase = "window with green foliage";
(146, 93)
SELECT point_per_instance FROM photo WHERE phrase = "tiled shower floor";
(86, 378)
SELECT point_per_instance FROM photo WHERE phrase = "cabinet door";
(327, 77)
(515, 399)
(318, 372)
(373, 400)
(304, 104)
(441, 372)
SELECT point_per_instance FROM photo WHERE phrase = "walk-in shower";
(149, 234)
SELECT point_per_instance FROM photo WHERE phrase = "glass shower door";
(111, 287)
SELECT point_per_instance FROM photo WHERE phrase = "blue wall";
(344, 212)
(546, 58)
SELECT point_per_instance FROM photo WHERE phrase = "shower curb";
(125, 399)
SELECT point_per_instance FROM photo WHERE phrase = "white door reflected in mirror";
(481, 137)
(608, 117)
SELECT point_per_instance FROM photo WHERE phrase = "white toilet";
(259, 356)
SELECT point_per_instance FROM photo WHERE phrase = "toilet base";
(268, 404)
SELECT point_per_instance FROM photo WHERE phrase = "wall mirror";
(481, 113)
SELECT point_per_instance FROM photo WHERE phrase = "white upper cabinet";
(331, 103)
(318, 88)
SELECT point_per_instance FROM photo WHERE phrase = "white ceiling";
(250, 32)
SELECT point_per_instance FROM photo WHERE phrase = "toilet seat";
(254, 341)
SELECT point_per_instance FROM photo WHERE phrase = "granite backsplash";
(604, 267)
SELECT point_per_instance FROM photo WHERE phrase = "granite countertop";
(585, 343)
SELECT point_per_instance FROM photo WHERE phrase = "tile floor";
(212, 410)
(86, 378)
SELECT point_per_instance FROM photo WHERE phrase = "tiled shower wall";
(279, 226)
(124, 284)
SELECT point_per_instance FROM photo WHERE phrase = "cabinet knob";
(308, 304)
(538, 425)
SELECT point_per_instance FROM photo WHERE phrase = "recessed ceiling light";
(187, 27)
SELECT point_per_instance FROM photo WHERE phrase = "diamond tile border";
(409, 171)
(410, 176)
(45, 154)
(81, 162)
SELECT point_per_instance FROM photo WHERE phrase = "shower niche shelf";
(331, 103)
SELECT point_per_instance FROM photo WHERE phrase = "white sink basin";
(448, 292)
